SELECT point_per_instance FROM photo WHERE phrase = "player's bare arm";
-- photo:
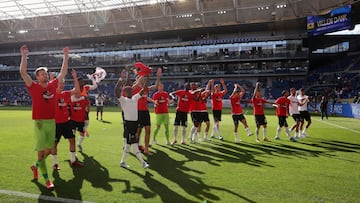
(225, 90)
(65, 64)
(23, 66)
(76, 89)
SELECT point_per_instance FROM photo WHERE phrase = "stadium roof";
(41, 20)
(20, 9)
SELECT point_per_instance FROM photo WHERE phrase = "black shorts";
(79, 126)
(63, 129)
(282, 121)
(305, 115)
(238, 117)
(144, 118)
(296, 117)
(181, 118)
(130, 131)
(99, 108)
(260, 120)
(217, 115)
(199, 117)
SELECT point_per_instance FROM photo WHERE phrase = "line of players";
(194, 99)
(51, 103)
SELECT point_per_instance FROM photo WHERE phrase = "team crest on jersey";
(185, 98)
(77, 106)
(61, 102)
(48, 95)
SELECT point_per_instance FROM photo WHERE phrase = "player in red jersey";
(63, 125)
(260, 119)
(282, 108)
(184, 100)
(161, 100)
(199, 112)
(78, 110)
(217, 96)
(236, 110)
(84, 89)
(143, 109)
(42, 93)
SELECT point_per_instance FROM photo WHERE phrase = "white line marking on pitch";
(42, 197)
(339, 126)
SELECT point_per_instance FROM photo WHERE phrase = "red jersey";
(236, 108)
(216, 98)
(283, 104)
(184, 101)
(199, 105)
(162, 99)
(143, 101)
(62, 101)
(84, 91)
(78, 109)
(258, 105)
(43, 100)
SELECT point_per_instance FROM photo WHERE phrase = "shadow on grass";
(175, 171)
(92, 172)
(45, 193)
(104, 121)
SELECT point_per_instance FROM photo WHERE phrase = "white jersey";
(99, 101)
(130, 107)
(303, 100)
(294, 105)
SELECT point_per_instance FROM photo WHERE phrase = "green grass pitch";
(324, 167)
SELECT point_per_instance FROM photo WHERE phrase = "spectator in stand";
(42, 93)
(236, 110)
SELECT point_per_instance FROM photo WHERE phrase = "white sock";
(81, 139)
(176, 128)
(183, 134)
(287, 131)
(72, 157)
(193, 132)
(236, 135)
(247, 130)
(213, 130)
(218, 131)
(138, 153)
(54, 158)
(206, 135)
(125, 153)
(278, 130)
(265, 132)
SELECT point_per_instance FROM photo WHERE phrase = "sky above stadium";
(21, 9)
